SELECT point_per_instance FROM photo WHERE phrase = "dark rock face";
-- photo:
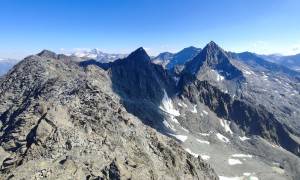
(212, 57)
(61, 120)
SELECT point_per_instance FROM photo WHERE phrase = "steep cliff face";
(61, 120)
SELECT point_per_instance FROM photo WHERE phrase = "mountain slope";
(245, 99)
(240, 82)
(59, 120)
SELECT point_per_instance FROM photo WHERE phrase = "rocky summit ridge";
(63, 121)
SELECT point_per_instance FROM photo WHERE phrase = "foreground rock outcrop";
(63, 121)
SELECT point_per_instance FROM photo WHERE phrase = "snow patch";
(247, 72)
(185, 130)
(205, 112)
(233, 162)
(167, 105)
(244, 138)
(191, 153)
(195, 109)
(242, 155)
(174, 119)
(184, 104)
(179, 104)
(181, 138)
(250, 177)
(219, 77)
(204, 134)
(176, 80)
(228, 178)
(204, 142)
(246, 174)
(204, 157)
(226, 126)
(168, 125)
(222, 138)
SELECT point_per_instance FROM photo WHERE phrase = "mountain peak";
(47, 54)
(212, 57)
(139, 55)
(212, 45)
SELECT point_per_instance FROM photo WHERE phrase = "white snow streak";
(226, 124)
(234, 162)
(185, 130)
(204, 134)
(167, 105)
(222, 138)
(244, 138)
(181, 138)
(242, 155)
(204, 142)
(168, 125)
(204, 157)
(195, 109)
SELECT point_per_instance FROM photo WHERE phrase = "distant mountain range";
(6, 65)
(166, 59)
(170, 60)
(292, 62)
(97, 55)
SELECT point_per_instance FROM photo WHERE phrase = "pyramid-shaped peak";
(212, 44)
(139, 54)
(47, 54)
(213, 48)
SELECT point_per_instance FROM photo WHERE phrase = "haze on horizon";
(121, 26)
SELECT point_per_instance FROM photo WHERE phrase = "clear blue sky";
(262, 26)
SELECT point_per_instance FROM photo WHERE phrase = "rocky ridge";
(63, 121)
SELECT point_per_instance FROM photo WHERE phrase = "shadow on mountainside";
(140, 85)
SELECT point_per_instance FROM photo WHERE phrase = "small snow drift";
(181, 138)
(185, 130)
(167, 105)
(204, 134)
(168, 125)
(234, 162)
(228, 178)
(195, 109)
(204, 142)
(219, 77)
(204, 157)
(242, 155)
(226, 124)
(205, 112)
(244, 138)
(222, 138)
(191, 153)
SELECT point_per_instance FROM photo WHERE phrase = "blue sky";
(121, 26)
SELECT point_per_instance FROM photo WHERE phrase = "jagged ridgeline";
(196, 114)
